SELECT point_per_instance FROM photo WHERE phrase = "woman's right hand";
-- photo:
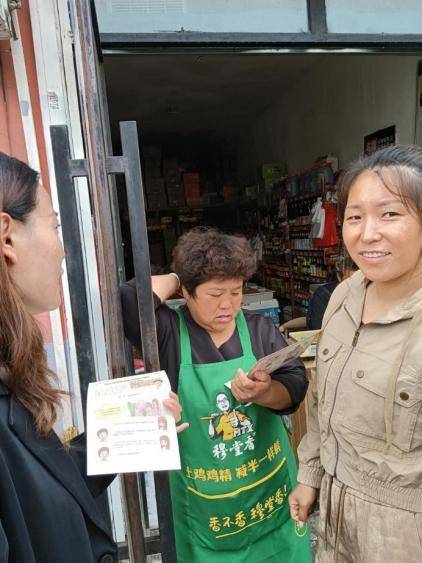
(302, 502)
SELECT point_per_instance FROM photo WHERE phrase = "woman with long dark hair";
(47, 509)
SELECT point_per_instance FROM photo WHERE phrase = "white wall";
(336, 102)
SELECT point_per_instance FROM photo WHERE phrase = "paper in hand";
(277, 359)
(128, 427)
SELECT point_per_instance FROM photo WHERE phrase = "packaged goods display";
(285, 213)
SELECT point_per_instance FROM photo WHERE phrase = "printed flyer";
(128, 428)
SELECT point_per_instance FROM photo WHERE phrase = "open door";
(99, 166)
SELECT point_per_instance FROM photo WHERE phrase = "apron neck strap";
(185, 348)
(244, 335)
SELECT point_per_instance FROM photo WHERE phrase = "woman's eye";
(353, 218)
(389, 214)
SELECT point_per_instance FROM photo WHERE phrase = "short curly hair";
(204, 253)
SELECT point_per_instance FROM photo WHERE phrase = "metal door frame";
(97, 166)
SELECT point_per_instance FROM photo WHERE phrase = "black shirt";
(318, 304)
(265, 339)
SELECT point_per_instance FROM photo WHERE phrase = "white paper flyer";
(128, 428)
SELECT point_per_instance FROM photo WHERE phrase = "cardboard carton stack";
(154, 182)
(192, 185)
(270, 173)
(173, 182)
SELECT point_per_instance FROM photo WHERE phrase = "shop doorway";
(248, 143)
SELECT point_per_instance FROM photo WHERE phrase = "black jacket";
(318, 304)
(47, 508)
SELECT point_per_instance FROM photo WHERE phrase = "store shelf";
(194, 208)
(293, 226)
(246, 203)
(308, 252)
(299, 299)
(310, 279)
(308, 195)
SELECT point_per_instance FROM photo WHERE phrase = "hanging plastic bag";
(316, 217)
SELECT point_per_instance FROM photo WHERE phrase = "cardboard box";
(176, 200)
(302, 335)
(269, 308)
(229, 193)
(156, 185)
(151, 152)
(194, 202)
(191, 178)
(157, 253)
(273, 170)
(170, 164)
(157, 201)
(152, 172)
(260, 296)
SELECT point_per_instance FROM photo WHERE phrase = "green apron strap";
(244, 335)
(185, 348)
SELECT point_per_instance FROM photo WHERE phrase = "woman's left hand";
(173, 405)
(250, 390)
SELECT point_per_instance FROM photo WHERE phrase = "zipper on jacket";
(356, 337)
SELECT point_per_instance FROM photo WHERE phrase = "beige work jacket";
(365, 423)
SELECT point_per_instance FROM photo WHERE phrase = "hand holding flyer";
(274, 361)
(128, 427)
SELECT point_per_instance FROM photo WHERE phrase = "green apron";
(230, 497)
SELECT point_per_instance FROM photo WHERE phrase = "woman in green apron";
(230, 497)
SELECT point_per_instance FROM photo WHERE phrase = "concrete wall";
(336, 102)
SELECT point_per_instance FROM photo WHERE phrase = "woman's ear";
(6, 239)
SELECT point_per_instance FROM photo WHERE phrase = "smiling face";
(216, 303)
(34, 254)
(382, 236)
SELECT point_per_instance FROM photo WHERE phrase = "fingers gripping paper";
(277, 359)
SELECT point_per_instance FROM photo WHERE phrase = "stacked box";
(155, 188)
(157, 253)
(156, 201)
(152, 163)
(192, 185)
(270, 173)
(170, 240)
(156, 193)
(174, 186)
(152, 153)
(229, 192)
(170, 167)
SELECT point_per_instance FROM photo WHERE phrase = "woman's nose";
(225, 303)
(370, 230)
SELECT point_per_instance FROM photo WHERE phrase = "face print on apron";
(230, 498)
(229, 422)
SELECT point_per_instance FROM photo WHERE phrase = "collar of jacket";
(54, 457)
(355, 299)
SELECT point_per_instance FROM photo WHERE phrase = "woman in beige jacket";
(363, 449)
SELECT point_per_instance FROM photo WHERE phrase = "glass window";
(374, 16)
(223, 16)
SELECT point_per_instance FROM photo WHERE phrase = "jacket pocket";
(327, 352)
(368, 399)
